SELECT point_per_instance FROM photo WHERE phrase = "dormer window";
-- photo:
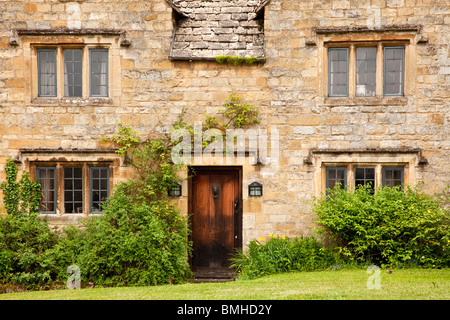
(204, 30)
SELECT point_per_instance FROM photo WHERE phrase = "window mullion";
(86, 186)
(59, 72)
(379, 71)
(351, 71)
(60, 189)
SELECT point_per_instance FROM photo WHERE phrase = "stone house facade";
(354, 91)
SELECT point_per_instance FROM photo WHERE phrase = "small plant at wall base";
(282, 255)
(393, 227)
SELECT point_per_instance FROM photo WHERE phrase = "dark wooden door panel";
(215, 220)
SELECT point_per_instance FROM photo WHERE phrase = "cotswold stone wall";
(149, 90)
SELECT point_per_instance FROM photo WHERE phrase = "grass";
(402, 284)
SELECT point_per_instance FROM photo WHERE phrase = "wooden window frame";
(358, 49)
(38, 170)
(86, 182)
(328, 169)
(380, 67)
(401, 169)
(39, 52)
(91, 186)
(365, 179)
(91, 51)
(346, 49)
(64, 73)
(86, 70)
(402, 87)
(350, 173)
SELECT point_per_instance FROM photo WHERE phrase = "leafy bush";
(140, 239)
(20, 197)
(282, 255)
(24, 238)
(132, 243)
(391, 227)
(24, 241)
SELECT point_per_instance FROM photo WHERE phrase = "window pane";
(393, 177)
(72, 73)
(365, 71)
(365, 176)
(99, 72)
(47, 180)
(47, 73)
(393, 70)
(338, 72)
(99, 187)
(335, 176)
(73, 190)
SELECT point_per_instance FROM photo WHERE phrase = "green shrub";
(24, 238)
(20, 197)
(391, 227)
(282, 255)
(24, 241)
(130, 244)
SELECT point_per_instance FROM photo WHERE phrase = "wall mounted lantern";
(175, 190)
(255, 189)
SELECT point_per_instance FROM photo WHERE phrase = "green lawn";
(404, 284)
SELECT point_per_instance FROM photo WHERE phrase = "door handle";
(215, 191)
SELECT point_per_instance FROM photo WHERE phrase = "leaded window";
(99, 72)
(338, 72)
(46, 177)
(99, 187)
(73, 73)
(47, 72)
(393, 71)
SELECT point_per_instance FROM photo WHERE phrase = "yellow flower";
(284, 237)
(270, 235)
(260, 238)
(274, 235)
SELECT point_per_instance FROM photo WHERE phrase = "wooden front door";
(215, 203)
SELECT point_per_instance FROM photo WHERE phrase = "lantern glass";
(255, 189)
(175, 191)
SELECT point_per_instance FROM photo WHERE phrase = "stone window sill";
(68, 101)
(365, 101)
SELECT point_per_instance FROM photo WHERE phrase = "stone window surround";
(32, 40)
(410, 159)
(60, 158)
(351, 37)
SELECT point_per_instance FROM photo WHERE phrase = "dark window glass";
(365, 176)
(366, 61)
(338, 72)
(73, 73)
(99, 187)
(73, 190)
(393, 71)
(47, 179)
(99, 72)
(393, 176)
(335, 176)
(47, 72)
